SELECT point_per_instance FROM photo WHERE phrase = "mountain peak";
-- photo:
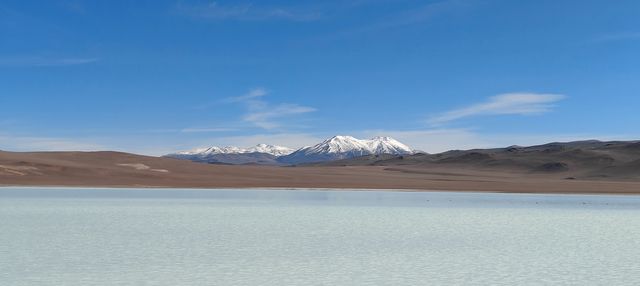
(383, 138)
(388, 145)
(343, 147)
(270, 149)
(341, 138)
(260, 148)
(340, 144)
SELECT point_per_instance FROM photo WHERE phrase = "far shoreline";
(112, 170)
(318, 189)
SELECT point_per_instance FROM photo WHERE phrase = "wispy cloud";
(12, 142)
(44, 62)
(252, 94)
(206, 130)
(420, 14)
(509, 103)
(414, 16)
(188, 130)
(265, 115)
(264, 118)
(246, 12)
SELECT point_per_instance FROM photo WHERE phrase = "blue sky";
(157, 76)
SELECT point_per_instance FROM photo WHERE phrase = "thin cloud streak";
(618, 37)
(262, 114)
(246, 12)
(252, 94)
(206, 130)
(509, 103)
(34, 143)
(414, 16)
(419, 15)
(264, 118)
(45, 62)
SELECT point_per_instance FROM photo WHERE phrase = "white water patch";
(18, 170)
(140, 166)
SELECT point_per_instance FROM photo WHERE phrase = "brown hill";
(592, 168)
(588, 160)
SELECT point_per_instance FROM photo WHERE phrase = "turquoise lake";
(56, 236)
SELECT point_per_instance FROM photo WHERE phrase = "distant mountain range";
(260, 148)
(573, 160)
(261, 154)
(334, 148)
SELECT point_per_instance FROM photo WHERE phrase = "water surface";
(294, 237)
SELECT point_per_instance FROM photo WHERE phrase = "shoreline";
(316, 189)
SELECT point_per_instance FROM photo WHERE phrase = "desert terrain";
(475, 172)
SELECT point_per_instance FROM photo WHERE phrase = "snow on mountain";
(339, 144)
(388, 145)
(210, 151)
(261, 154)
(334, 148)
(348, 144)
(344, 147)
(269, 149)
(260, 148)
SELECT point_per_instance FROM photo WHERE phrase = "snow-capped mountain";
(387, 145)
(339, 144)
(334, 148)
(345, 147)
(260, 148)
(263, 154)
(269, 149)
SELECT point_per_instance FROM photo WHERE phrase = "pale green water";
(204, 237)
